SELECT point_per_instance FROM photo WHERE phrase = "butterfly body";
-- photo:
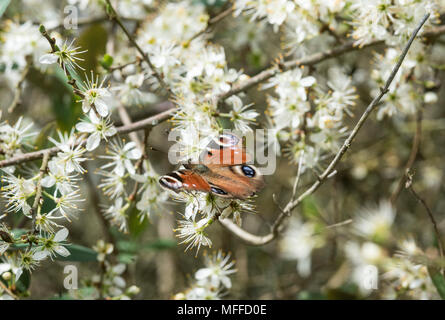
(223, 171)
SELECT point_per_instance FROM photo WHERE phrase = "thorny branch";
(328, 172)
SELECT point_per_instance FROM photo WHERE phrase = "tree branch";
(139, 125)
(261, 240)
(312, 60)
(213, 21)
(19, 86)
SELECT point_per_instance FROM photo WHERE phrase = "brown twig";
(312, 60)
(260, 240)
(412, 157)
(95, 200)
(39, 190)
(126, 120)
(139, 125)
(8, 291)
(16, 101)
(213, 21)
(409, 186)
(115, 17)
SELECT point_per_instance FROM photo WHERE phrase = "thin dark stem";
(139, 125)
(412, 157)
(39, 191)
(95, 200)
(71, 80)
(214, 21)
(8, 291)
(16, 101)
(409, 186)
(114, 16)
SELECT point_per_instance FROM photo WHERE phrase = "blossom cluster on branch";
(149, 52)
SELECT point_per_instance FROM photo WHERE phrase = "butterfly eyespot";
(218, 191)
(248, 171)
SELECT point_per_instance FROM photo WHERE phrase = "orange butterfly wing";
(223, 171)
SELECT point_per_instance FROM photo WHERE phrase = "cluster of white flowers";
(19, 43)
(201, 210)
(195, 70)
(301, 19)
(307, 118)
(109, 283)
(403, 275)
(392, 21)
(13, 265)
(58, 184)
(125, 173)
(97, 125)
(212, 280)
(407, 278)
(405, 96)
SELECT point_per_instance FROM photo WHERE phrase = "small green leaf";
(41, 141)
(161, 244)
(106, 61)
(438, 280)
(126, 258)
(18, 232)
(309, 208)
(135, 225)
(79, 253)
(3, 6)
(24, 281)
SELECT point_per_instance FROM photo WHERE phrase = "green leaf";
(134, 247)
(309, 208)
(161, 244)
(3, 6)
(310, 295)
(106, 61)
(63, 102)
(79, 253)
(42, 138)
(438, 280)
(94, 38)
(127, 258)
(135, 225)
(24, 281)
(18, 232)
